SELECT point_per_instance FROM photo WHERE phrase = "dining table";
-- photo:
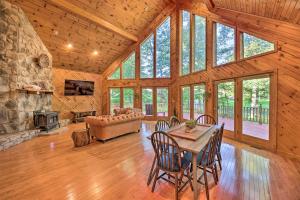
(191, 144)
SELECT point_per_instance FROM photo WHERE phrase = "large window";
(199, 44)
(128, 97)
(128, 67)
(163, 50)
(162, 101)
(126, 70)
(147, 101)
(121, 98)
(147, 58)
(115, 99)
(185, 43)
(185, 102)
(253, 46)
(199, 100)
(224, 44)
(226, 102)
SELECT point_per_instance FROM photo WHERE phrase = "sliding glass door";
(256, 107)
(245, 106)
(226, 104)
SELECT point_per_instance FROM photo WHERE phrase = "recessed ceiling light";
(55, 32)
(95, 53)
(69, 45)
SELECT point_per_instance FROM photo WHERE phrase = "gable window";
(147, 58)
(224, 40)
(199, 44)
(252, 46)
(128, 67)
(185, 43)
(116, 75)
(126, 70)
(163, 50)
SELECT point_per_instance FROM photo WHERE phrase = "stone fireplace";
(20, 46)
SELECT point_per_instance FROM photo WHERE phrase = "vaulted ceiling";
(59, 27)
(101, 30)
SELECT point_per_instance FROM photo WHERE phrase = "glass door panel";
(185, 101)
(128, 97)
(162, 102)
(199, 100)
(256, 107)
(147, 101)
(115, 99)
(225, 103)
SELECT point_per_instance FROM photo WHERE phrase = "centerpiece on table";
(190, 125)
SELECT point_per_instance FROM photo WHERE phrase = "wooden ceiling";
(58, 27)
(284, 10)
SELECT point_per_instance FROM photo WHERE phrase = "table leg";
(151, 174)
(195, 183)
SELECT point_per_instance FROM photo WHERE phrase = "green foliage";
(255, 46)
(162, 99)
(185, 43)
(115, 75)
(225, 44)
(115, 98)
(200, 44)
(163, 50)
(147, 57)
(147, 97)
(128, 98)
(128, 67)
(186, 93)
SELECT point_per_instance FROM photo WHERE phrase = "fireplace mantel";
(35, 91)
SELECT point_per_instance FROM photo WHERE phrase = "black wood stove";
(45, 120)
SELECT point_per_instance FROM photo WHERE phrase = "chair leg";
(206, 183)
(181, 177)
(219, 160)
(151, 173)
(176, 186)
(190, 179)
(214, 174)
(216, 170)
(155, 179)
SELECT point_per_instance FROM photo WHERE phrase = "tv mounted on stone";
(79, 88)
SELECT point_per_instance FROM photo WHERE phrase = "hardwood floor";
(50, 168)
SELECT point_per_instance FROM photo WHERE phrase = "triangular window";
(253, 46)
(115, 75)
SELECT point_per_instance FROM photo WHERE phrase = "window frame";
(121, 96)
(192, 110)
(214, 44)
(241, 45)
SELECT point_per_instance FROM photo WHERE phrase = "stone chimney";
(20, 46)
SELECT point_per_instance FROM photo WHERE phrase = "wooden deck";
(50, 168)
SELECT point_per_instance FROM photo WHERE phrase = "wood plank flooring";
(50, 168)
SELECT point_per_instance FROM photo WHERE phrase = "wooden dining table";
(191, 145)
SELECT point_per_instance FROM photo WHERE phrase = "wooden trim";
(87, 15)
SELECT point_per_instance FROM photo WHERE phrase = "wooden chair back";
(220, 137)
(210, 150)
(174, 121)
(167, 151)
(162, 125)
(206, 119)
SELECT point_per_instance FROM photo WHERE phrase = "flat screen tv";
(79, 88)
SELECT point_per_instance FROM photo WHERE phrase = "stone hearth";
(20, 46)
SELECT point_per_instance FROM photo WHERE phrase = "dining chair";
(174, 121)
(206, 119)
(206, 160)
(220, 137)
(170, 161)
(162, 125)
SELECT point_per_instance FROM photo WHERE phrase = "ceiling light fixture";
(95, 53)
(70, 46)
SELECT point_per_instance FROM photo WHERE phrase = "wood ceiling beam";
(209, 4)
(83, 13)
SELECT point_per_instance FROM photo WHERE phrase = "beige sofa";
(124, 121)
